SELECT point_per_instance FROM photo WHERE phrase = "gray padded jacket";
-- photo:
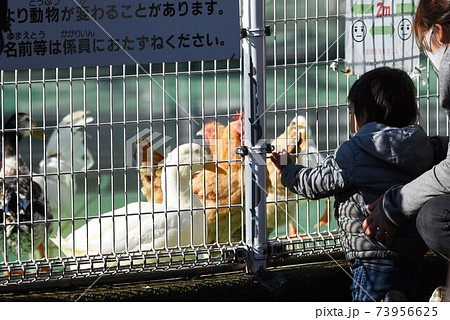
(376, 158)
(402, 203)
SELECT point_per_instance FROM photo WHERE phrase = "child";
(387, 148)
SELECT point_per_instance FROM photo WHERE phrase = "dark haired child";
(387, 148)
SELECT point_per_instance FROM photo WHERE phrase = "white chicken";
(58, 163)
(178, 221)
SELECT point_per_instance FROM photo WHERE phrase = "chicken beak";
(212, 167)
(199, 133)
(39, 134)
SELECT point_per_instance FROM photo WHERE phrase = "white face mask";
(436, 56)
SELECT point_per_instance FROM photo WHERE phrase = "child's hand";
(281, 159)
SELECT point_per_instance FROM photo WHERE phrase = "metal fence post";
(254, 31)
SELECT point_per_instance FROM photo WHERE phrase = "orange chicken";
(149, 173)
(209, 133)
(223, 190)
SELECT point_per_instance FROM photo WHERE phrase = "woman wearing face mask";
(427, 198)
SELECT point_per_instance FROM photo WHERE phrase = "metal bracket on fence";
(235, 255)
(245, 150)
(267, 31)
(336, 66)
(277, 250)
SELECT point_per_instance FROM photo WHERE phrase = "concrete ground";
(314, 282)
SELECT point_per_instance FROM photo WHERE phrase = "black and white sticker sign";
(63, 33)
(380, 33)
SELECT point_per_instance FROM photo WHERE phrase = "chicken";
(223, 194)
(222, 146)
(293, 139)
(22, 205)
(283, 213)
(58, 163)
(209, 133)
(177, 222)
(150, 173)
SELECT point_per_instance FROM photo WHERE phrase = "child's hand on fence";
(281, 159)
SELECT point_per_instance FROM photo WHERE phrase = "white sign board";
(380, 33)
(66, 33)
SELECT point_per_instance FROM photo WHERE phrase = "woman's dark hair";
(429, 13)
(384, 95)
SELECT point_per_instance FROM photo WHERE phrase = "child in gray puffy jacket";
(387, 148)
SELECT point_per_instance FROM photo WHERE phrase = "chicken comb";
(239, 115)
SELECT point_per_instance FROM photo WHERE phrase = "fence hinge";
(235, 255)
(277, 250)
(267, 31)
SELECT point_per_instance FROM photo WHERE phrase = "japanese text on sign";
(49, 33)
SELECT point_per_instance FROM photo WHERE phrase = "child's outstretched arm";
(333, 175)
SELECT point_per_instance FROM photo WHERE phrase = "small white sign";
(380, 33)
(68, 33)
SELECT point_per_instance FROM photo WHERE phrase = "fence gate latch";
(245, 150)
(267, 31)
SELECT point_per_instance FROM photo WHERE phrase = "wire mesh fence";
(137, 171)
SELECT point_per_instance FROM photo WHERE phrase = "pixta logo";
(140, 146)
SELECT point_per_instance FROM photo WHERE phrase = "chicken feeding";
(223, 194)
(177, 222)
(24, 213)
